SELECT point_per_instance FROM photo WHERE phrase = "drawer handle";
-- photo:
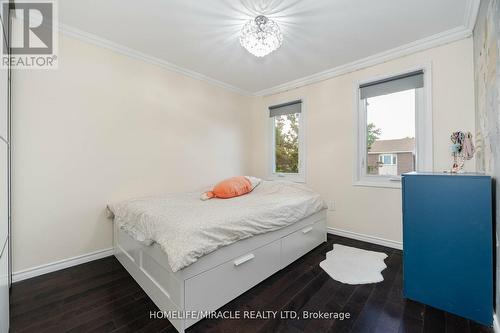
(307, 230)
(243, 259)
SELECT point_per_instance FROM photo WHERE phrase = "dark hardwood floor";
(101, 297)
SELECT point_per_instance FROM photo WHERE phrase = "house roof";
(392, 146)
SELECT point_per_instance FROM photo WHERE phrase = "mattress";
(187, 228)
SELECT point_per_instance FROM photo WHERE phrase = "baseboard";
(496, 325)
(61, 264)
(366, 238)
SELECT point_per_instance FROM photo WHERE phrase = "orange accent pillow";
(230, 188)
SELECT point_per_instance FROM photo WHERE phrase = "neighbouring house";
(391, 157)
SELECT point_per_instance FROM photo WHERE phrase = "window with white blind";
(394, 128)
(287, 144)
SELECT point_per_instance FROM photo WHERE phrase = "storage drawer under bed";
(296, 244)
(230, 279)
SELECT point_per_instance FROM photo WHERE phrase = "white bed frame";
(220, 276)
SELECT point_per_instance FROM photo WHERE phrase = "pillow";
(232, 187)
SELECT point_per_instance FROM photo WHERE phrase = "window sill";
(396, 184)
(288, 177)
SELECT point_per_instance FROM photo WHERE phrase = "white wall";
(330, 149)
(105, 127)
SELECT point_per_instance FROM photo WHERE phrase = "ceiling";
(202, 36)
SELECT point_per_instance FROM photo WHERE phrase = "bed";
(192, 257)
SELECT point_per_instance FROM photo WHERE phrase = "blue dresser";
(448, 243)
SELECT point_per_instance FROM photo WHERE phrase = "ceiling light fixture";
(261, 36)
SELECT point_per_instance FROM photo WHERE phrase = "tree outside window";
(286, 131)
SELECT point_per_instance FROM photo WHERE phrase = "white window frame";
(299, 177)
(423, 132)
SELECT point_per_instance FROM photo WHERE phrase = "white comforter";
(186, 228)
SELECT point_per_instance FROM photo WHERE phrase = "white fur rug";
(354, 266)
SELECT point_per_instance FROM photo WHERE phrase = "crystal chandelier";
(261, 36)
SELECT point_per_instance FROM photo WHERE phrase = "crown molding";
(449, 36)
(471, 11)
(439, 39)
(105, 43)
(452, 35)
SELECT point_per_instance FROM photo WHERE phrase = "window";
(287, 132)
(394, 130)
(387, 159)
